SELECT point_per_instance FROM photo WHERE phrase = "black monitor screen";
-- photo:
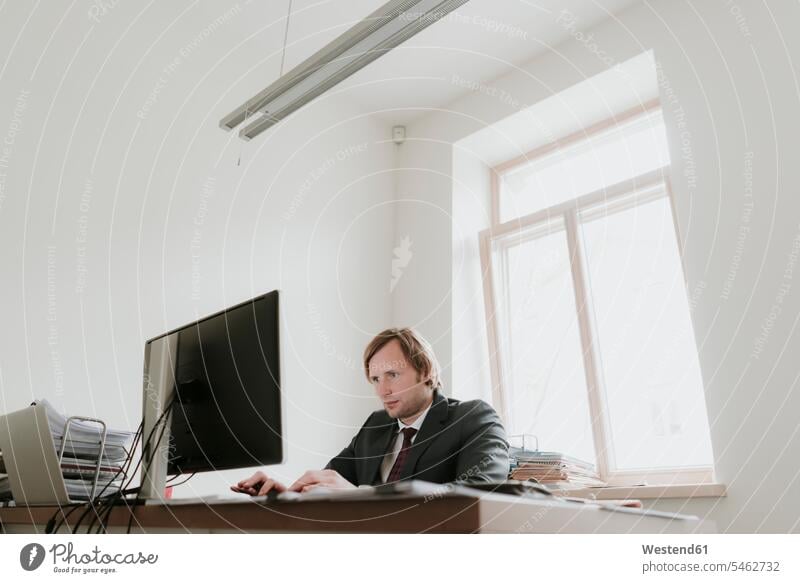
(227, 411)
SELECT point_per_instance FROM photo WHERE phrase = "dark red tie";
(408, 434)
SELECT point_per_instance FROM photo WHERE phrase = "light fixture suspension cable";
(286, 36)
(247, 112)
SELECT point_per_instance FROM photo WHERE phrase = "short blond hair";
(416, 349)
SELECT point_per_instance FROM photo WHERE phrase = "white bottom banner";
(402, 557)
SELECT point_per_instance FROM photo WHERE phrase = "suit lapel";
(431, 427)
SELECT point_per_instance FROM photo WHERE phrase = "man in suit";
(419, 434)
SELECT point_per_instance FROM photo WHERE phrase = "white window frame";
(630, 193)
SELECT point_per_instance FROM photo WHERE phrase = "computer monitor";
(222, 375)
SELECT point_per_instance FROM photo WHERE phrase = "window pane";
(543, 362)
(609, 158)
(653, 385)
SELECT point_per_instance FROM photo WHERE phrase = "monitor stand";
(159, 386)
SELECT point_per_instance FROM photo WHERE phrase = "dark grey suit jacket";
(462, 442)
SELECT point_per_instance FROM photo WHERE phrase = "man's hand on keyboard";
(320, 478)
(259, 484)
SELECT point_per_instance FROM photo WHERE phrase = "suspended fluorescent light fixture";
(389, 26)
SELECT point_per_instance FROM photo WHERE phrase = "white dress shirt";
(389, 458)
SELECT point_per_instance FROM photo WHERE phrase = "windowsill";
(647, 492)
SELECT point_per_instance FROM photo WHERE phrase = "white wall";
(470, 370)
(124, 214)
(728, 84)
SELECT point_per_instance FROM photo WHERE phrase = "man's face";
(401, 389)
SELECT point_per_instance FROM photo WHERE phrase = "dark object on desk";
(409, 489)
(513, 487)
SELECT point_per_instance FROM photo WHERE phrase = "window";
(590, 328)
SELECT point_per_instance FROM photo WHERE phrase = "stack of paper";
(82, 454)
(552, 469)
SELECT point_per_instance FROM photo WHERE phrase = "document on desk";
(322, 493)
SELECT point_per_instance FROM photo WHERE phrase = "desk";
(449, 513)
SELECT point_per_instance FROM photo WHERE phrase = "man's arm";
(344, 463)
(484, 454)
